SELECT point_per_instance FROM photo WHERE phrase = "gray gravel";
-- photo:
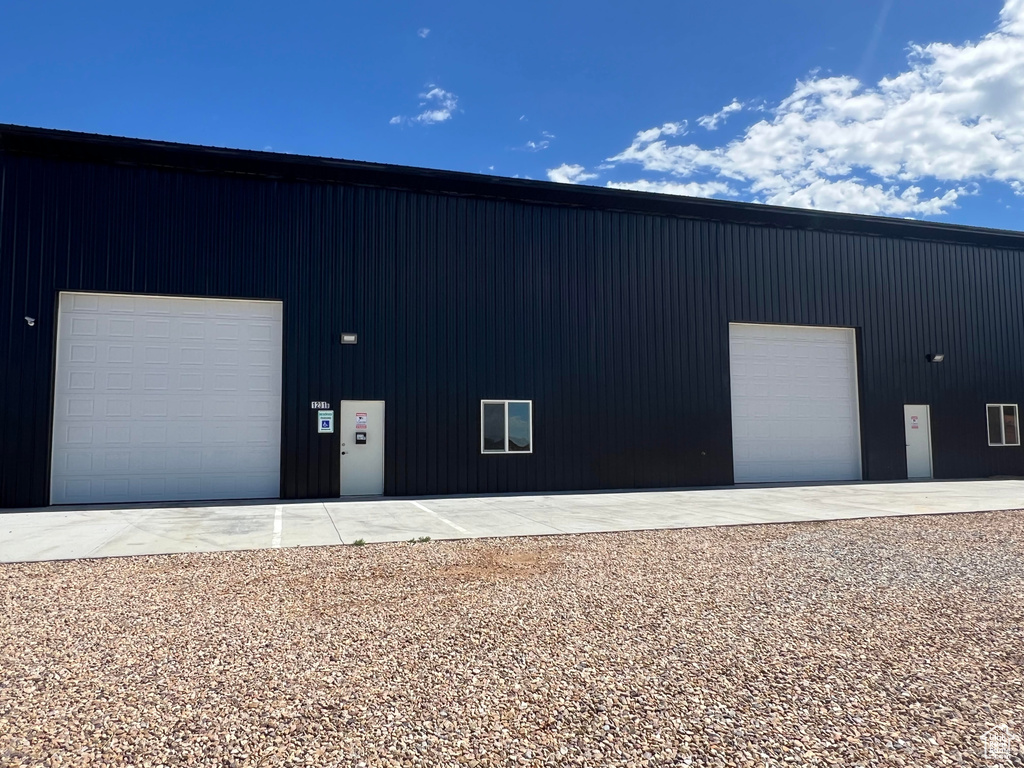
(858, 643)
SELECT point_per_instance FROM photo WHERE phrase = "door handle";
(344, 452)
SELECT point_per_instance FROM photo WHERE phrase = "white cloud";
(711, 122)
(854, 196)
(955, 116)
(540, 144)
(570, 174)
(423, 31)
(689, 189)
(439, 105)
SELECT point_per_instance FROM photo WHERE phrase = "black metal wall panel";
(613, 321)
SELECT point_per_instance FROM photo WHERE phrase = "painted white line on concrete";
(443, 520)
(276, 541)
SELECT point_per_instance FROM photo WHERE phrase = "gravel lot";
(888, 642)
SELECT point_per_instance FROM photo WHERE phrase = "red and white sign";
(360, 421)
(913, 422)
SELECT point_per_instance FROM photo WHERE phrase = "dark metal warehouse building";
(179, 322)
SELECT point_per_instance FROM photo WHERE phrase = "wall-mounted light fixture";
(935, 357)
(30, 320)
(349, 338)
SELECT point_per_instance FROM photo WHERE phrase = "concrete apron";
(110, 531)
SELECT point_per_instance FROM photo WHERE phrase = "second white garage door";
(160, 398)
(794, 403)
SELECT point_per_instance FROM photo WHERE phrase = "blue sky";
(912, 108)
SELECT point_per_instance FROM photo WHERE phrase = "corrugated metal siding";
(615, 324)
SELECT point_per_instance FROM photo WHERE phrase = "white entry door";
(362, 447)
(918, 428)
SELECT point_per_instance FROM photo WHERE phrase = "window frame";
(1002, 424)
(506, 451)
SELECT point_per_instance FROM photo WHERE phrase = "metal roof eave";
(88, 147)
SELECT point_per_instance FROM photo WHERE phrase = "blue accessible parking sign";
(326, 421)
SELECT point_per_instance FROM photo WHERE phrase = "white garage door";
(794, 403)
(160, 398)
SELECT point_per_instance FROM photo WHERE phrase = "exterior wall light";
(935, 357)
(349, 338)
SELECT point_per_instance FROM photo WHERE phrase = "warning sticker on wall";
(360, 421)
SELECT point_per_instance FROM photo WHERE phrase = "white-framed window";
(1002, 424)
(506, 426)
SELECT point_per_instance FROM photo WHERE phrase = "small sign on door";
(360, 421)
(325, 422)
(913, 422)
